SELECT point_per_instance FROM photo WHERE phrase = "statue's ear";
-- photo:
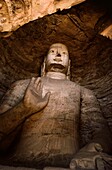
(68, 72)
(43, 68)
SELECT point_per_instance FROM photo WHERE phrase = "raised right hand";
(33, 99)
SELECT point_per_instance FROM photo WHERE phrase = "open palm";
(33, 97)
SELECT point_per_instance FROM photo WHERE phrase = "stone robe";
(52, 136)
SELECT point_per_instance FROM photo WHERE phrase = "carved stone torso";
(51, 136)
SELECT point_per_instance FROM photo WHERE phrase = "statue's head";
(57, 59)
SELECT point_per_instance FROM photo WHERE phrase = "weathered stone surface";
(91, 54)
(55, 168)
(15, 168)
(14, 14)
(107, 32)
(23, 168)
(22, 53)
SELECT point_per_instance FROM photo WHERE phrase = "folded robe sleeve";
(93, 126)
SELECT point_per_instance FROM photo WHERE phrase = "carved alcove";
(22, 53)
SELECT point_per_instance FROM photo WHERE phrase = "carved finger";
(40, 89)
(32, 81)
(37, 83)
(73, 164)
(46, 97)
(100, 164)
(77, 164)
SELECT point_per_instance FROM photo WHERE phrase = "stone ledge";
(24, 168)
(15, 168)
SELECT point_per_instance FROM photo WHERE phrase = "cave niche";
(23, 52)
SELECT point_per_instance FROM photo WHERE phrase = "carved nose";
(58, 55)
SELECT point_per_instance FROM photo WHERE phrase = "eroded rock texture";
(15, 13)
(91, 54)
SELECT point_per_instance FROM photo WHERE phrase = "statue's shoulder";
(83, 90)
(74, 84)
(20, 83)
(14, 95)
(18, 88)
(87, 93)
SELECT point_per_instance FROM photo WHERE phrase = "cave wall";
(23, 52)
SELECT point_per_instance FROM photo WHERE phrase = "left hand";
(89, 158)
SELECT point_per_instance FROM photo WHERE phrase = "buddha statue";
(54, 121)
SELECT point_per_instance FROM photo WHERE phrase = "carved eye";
(64, 52)
(52, 51)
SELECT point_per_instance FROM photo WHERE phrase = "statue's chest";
(54, 130)
(64, 101)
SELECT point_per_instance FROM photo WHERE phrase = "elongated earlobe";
(43, 68)
(68, 72)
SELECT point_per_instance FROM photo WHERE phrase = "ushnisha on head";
(57, 60)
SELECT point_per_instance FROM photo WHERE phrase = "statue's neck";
(56, 75)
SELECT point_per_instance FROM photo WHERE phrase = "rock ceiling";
(22, 53)
(15, 13)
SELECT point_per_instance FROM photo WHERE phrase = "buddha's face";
(57, 59)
